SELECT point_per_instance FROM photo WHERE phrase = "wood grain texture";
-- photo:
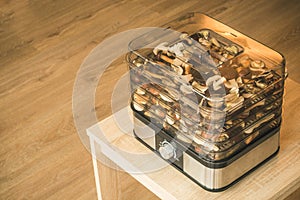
(276, 179)
(42, 45)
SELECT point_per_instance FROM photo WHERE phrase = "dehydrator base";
(221, 178)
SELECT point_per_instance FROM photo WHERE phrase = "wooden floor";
(42, 45)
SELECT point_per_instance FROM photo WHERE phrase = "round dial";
(167, 150)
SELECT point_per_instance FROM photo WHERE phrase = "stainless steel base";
(222, 177)
(213, 179)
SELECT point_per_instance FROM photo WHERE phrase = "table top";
(277, 178)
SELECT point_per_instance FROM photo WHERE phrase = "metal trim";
(221, 177)
(144, 132)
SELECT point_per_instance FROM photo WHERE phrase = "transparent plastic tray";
(206, 84)
(153, 107)
(217, 152)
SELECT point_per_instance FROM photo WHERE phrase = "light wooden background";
(43, 43)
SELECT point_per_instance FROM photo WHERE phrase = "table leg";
(107, 181)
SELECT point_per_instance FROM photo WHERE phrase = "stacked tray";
(210, 90)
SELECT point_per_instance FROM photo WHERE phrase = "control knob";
(167, 150)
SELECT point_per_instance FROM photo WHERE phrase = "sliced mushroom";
(266, 75)
(140, 100)
(232, 83)
(256, 125)
(140, 91)
(161, 47)
(215, 104)
(149, 114)
(170, 117)
(204, 42)
(234, 90)
(216, 81)
(209, 146)
(187, 68)
(235, 103)
(174, 94)
(232, 49)
(139, 64)
(177, 69)
(170, 120)
(261, 103)
(205, 34)
(153, 91)
(165, 97)
(239, 80)
(221, 137)
(257, 64)
(138, 107)
(166, 126)
(231, 97)
(201, 88)
(229, 122)
(184, 35)
(215, 42)
(260, 85)
(247, 95)
(245, 62)
(251, 137)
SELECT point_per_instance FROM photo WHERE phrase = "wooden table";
(276, 179)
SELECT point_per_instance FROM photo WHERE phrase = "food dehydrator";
(210, 96)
